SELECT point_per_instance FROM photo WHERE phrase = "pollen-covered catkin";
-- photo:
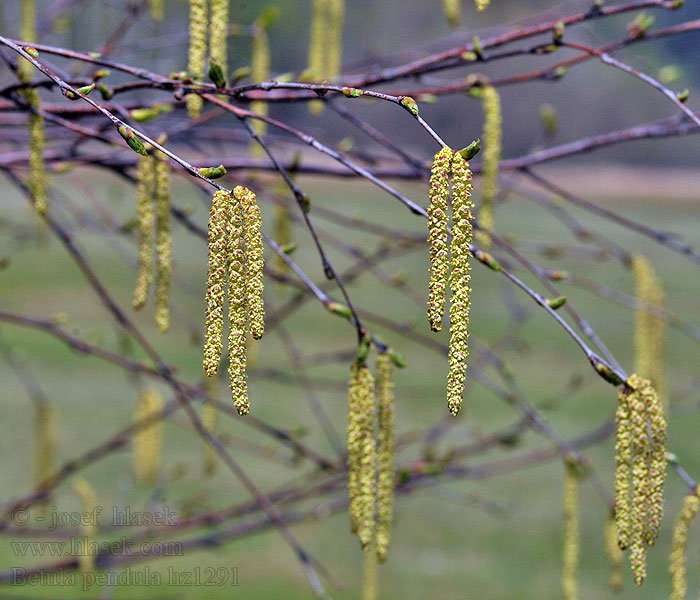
(459, 281)
(197, 51)
(45, 442)
(678, 546)
(147, 442)
(453, 11)
(237, 359)
(354, 438)
(254, 260)
(640, 486)
(437, 236)
(145, 176)
(657, 461)
(385, 455)
(219, 250)
(491, 103)
(571, 533)
(623, 468)
(650, 330)
(163, 243)
(218, 33)
(88, 529)
(613, 552)
(260, 65)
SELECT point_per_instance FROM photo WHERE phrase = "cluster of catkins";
(153, 217)
(371, 452)
(455, 257)
(640, 470)
(218, 32)
(236, 258)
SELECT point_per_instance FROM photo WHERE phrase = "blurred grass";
(449, 541)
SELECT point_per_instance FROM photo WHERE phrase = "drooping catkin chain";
(254, 260)
(362, 454)
(491, 103)
(385, 455)
(145, 181)
(147, 442)
(459, 281)
(218, 33)
(679, 543)
(571, 533)
(326, 39)
(36, 182)
(438, 193)
(650, 330)
(260, 71)
(45, 443)
(613, 552)
(88, 529)
(197, 51)
(641, 456)
(237, 309)
(163, 241)
(219, 251)
(453, 11)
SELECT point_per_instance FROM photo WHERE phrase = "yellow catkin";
(326, 39)
(209, 419)
(437, 236)
(147, 442)
(145, 177)
(370, 584)
(453, 11)
(385, 455)
(656, 452)
(163, 244)
(623, 466)
(334, 38)
(459, 281)
(482, 4)
(491, 103)
(283, 237)
(650, 330)
(260, 71)
(45, 444)
(156, 8)
(317, 39)
(218, 32)
(640, 486)
(254, 260)
(88, 528)
(571, 534)
(219, 249)
(36, 182)
(237, 309)
(613, 552)
(678, 546)
(197, 51)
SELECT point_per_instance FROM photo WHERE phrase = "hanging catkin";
(45, 443)
(209, 419)
(459, 281)
(254, 260)
(197, 51)
(385, 455)
(678, 546)
(145, 177)
(163, 242)
(157, 9)
(36, 182)
(326, 39)
(491, 103)
(570, 551)
(482, 4)
(260, 71)
(147, 442)
(219, 250)
(613, 552)
(237, 310)
(641, 457)
(88, 529)
(453, 11)
(438, 193)
(218, 33)
(650, 330)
